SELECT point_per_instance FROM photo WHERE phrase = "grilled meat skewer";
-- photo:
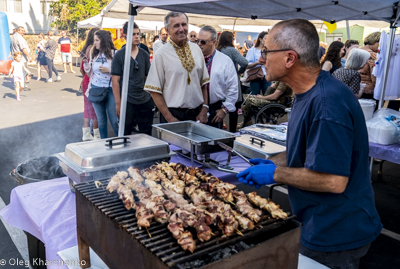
(267, 205)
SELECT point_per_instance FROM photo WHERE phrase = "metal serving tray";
(255, 147)
(98, 159)
(193, 136)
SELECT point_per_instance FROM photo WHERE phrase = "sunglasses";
(136, 65)
(202, 42)
(264, 53)
(193, 36)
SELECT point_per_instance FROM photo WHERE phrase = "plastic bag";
(266, 131)
(384, 127)
(386, 112)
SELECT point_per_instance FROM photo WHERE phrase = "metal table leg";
(371, 162)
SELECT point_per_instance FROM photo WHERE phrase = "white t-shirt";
(99, 79)
(18, 70)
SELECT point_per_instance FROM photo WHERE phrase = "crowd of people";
(46, 50)
(211, 89)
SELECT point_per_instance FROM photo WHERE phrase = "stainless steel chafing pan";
(193, 136)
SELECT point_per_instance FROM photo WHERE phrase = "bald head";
(299, 35)
(192, 36)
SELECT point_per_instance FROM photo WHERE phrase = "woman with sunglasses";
(253, 56)
(225, 45)
(334, 54)
(98, 68)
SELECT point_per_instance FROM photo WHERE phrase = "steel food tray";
(255, 147)
(193, 136)
(86, 161)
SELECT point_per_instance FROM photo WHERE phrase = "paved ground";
(50, 116)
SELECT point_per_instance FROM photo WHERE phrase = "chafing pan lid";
(98, 153)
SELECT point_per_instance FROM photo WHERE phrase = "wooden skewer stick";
(239, 232)
(148, 232)
(97, 184)
(213, 234)
(232, 203)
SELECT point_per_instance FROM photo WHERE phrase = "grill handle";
(253, 140)
(111, 142)
(271, 189)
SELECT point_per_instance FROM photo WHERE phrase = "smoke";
(43, 138)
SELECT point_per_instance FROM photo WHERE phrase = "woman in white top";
(98, 69)
(253, 56)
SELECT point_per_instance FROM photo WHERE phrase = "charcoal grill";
(112, 232)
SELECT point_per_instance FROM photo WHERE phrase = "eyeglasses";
(202, 42)
(193, 36)
(133, 34)
(264, 53)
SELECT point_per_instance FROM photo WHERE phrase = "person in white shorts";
(64, 46)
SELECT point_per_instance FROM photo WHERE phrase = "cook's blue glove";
(260, 161)
(258, 175)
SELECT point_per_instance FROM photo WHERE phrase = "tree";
(67, 13)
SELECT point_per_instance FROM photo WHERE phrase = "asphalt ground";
(50, 116)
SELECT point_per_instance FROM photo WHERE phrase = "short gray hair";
(357, 59)
(173, 14)
(301, 36)
(211, 30)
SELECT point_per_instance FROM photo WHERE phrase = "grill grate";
(162, 243)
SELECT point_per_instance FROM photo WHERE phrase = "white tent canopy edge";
(327, 10)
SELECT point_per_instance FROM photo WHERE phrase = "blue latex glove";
(258, 175)
(260, 161)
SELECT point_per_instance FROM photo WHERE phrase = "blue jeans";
(258, 85)
(104, 108)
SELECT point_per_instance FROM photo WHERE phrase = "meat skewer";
(244, 207)
(267, 205)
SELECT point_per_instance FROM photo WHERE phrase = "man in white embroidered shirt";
(178, 75)
(223, 87)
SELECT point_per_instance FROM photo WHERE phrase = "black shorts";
(41, 58)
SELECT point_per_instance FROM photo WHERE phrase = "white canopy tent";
(115, 23)
(326, 10)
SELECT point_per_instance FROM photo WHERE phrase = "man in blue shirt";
(326, 162)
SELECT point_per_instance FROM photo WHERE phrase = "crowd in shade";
(228, 78)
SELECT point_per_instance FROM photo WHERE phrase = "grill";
(112, 232)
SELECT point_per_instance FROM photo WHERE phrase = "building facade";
(33, 15)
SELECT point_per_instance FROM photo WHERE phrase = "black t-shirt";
(138, 71)
(141, 45)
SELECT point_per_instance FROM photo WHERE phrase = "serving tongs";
(231, 150)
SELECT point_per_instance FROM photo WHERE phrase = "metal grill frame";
(104, 224)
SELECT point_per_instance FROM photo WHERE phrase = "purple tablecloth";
(47, 209)
(389, 153)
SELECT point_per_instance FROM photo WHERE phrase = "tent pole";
(348, 29)
(77, 43)
(126, 73)
(387, 64)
